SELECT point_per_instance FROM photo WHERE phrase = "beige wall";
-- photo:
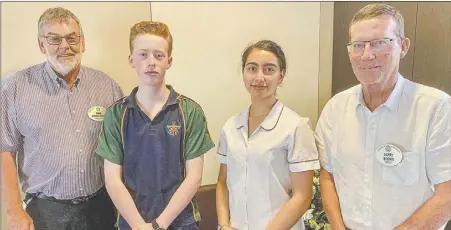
(208, 41)
(105, 25)
(325, 54)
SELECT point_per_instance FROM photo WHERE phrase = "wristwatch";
(156, 226)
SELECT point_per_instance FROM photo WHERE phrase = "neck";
(150, 95)
(70, 77)
(261, 107)
(375, 95)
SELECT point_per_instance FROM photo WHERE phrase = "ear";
(170, 62)
(130, 61)
(405, 45)
(41, 44)
(282, 77)
(82, 44)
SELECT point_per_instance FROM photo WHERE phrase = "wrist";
(13, 208)
(223, 226)
(158, 224)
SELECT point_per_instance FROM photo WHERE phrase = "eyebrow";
(147, 50)
(266, 64)
(55, 34)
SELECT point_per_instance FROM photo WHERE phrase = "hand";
(147, 226)
(18, 219)
(403, 227)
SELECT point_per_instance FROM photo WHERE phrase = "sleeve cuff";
(326, 166)
(304, 166)
(441, 177)
(8, 149)
(221, 158)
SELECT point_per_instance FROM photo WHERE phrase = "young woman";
(267, 153)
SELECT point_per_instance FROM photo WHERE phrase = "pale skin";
(261, 77)
(65, 55)
(377, 73)
(151, 60)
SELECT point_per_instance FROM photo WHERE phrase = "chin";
(370, 80)
(64, 68)
(151, 81)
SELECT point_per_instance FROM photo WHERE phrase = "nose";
(151, 60)
(64, 43)
(368, 52)
(259, 78)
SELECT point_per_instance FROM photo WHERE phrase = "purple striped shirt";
(47, 125)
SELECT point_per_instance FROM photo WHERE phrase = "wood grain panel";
(432, 61)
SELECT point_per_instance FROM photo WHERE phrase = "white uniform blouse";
(258, 167)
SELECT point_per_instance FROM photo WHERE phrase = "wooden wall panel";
(432, 61)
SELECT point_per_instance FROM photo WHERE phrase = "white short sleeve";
(438, 150)
(324, 137)
(221, 155)
(302, 152)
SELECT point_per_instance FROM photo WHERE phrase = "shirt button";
(81, 150)
(73, 111)
(77, 130)
(81, 189)
(81, 170)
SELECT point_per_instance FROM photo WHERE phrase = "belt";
(74, 201)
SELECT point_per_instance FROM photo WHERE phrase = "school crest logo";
(173, 129)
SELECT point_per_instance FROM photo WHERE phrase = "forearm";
(222, 204)
(290, 213)
(181, 198)
(330, 201)
(124, 202)
(431, 215)
(10, 188)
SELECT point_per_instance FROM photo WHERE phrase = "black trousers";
(96, 213)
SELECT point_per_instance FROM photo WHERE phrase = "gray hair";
(378, 9)
(57, 15)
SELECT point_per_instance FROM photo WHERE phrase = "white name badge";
(96, 113)
(389, 155)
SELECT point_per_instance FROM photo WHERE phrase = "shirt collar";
(131, 102)
(394, 98)
(268, 123)
(54, 77)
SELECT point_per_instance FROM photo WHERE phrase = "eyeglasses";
(56, 40)
(358, 47)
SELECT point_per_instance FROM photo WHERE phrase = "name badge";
(389, 155)
(96, 113)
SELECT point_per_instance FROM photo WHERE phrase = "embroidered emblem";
(173, 129)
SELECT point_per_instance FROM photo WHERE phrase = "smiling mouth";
(371, 68)
(65, 56)
(152, 73)
(259, 87)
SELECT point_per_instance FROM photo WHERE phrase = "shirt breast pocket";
(406, 173)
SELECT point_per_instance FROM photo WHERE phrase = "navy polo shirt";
(153, 152)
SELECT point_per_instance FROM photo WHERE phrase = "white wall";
(209, 38)
(106, 27)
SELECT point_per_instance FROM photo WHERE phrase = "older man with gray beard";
(50, 117)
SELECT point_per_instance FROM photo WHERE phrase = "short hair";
(153, 28)
(58, 15)
(376, 10)
(269, 46)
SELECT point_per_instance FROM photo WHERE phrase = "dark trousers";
(95, 213)
(194, 226)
